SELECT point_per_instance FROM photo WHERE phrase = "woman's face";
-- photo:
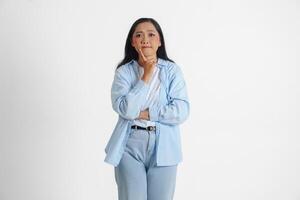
(147, 38)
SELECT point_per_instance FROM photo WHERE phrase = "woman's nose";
(144, 42)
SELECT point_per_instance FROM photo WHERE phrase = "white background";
(241, 63)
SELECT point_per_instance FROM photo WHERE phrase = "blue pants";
(137, 176)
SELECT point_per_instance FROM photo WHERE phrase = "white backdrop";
(241, 63)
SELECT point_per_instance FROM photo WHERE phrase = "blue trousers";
(137, 176)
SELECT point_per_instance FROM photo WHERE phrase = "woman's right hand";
(148, 64)
(144, 114)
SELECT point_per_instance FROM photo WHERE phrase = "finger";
(143, 56)
(151, 61)
(153, 57)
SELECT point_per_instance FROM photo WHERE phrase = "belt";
(148, 128)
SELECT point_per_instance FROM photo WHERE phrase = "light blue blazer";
(128, 92)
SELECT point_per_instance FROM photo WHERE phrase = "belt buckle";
(150, 128)
(135, 127)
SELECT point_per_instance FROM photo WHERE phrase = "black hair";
(130, 52)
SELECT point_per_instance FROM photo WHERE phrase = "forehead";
(145, 27)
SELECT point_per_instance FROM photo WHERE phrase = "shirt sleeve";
(127, 99)
(178, 107)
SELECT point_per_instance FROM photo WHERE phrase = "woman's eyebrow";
(147, 30)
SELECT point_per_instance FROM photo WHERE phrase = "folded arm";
(127, 99)
(177, 109)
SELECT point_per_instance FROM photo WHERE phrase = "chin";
(148, 52)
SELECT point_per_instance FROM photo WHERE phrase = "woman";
(149, 94)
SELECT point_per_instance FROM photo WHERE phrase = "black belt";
(148, 128)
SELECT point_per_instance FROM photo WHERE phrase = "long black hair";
(130, 52)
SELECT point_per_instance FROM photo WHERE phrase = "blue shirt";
(129, 92)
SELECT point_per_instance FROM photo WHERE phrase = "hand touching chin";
(148, 52)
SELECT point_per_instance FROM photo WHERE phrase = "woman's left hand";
(144, 115)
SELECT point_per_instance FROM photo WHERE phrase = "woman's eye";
(137, 35)
(152, 35)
